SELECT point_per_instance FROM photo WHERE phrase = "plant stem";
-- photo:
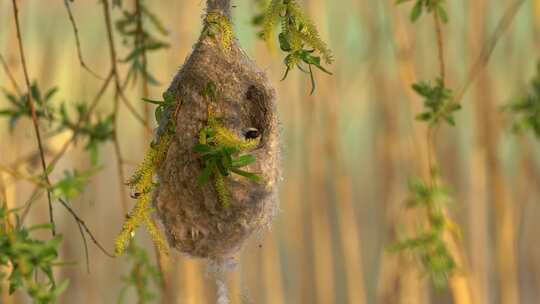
(483, 59)
(10, 75)
(118, 93)
(85, 227)
(440, 45)
(34, 116)
(139, 43)
(78, 41)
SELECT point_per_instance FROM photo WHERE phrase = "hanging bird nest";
(218, 179)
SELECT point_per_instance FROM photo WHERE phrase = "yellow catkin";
(155, 235)
(223, 137)
(222, 191)
(134, 220)
(142, 183)
(226, 138)
(217, 21)
(271, 15)
(309, 33)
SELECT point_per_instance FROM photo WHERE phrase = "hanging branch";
(119, 94)
(34, 116)
(77, 40)
(10, 75)
(83, 224)
(114, 71)
(85, 244)
(440, 46)
(139, 44)
(483, 59)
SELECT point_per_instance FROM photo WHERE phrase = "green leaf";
(203, 148)
(442, 13)
(40, 227)
(284, 44)
(205, 175)
(49, 169)
(222, 170)
(157, 102)
(36, 94)
(423, 116)
(158, 113)
(416, 11)
(154, 20)
(61, 288)
(252, 176)
(226, 160)
(243, 160)
(50, 93)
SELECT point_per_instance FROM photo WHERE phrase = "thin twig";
(113, 58)
(83, 224)
(432, 130)
(132, 109)
(139, 43)
(33, 111)
(440, 45)
(483, 59)
(28, 205)
(77, 40)
(4, 201)
(85, 247)
(28, 158)
(17, 175)
(10, 75)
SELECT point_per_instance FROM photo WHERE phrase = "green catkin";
(142, 183)
(271, 17)
(221, 189)
(309, 34)
(217, 135)
(296, 25)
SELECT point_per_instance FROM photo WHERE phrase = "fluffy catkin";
(195, 221)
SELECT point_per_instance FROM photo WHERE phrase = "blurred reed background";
(349, 151)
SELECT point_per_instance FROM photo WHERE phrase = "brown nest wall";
(196, 223)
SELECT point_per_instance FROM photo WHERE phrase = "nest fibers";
(195, 221)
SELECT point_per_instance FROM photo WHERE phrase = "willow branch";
(83, 224)
(34, 116)
(118, 94)
(85, 244)
(440, 45)
(77, 40)
(483, 59)
(139, 43)
(20, 176)
(10, 75)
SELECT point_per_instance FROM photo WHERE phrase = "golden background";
(348, 152)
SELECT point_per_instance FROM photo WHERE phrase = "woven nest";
(195, 221)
